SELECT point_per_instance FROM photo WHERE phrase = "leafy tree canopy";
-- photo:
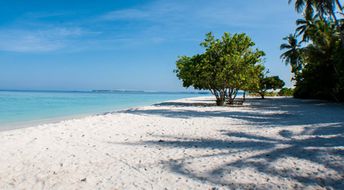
(227, 65)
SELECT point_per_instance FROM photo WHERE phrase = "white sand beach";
(277, 143)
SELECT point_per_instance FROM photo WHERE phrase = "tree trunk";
(235, 94)
(220, 96)
(231, 96)
(220, 101)
(339, 5)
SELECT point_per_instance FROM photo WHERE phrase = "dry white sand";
(278, 143)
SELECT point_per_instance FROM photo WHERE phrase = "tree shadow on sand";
(320, 145)
(268, 112)
(316, 150)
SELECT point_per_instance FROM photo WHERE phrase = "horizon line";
(104, 91)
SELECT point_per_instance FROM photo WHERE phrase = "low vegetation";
(286, 92)
(268, 83)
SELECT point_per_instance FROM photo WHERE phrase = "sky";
(131, 44)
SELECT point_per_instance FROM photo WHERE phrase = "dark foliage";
(318, 61)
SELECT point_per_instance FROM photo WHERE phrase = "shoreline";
(54, 121)
(37, 123)
(277, 143)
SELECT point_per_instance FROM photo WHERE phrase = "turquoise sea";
(22, 108)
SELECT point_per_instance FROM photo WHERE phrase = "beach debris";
(83, 180)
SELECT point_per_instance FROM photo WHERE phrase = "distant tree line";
(227, 65)
(315, 51)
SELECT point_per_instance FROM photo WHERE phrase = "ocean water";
(21, 108)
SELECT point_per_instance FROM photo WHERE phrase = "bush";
(286, 92)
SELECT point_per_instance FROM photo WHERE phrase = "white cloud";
(19, 40)
(156, 12)
(126, 14)
(154, 23)
(202, 13)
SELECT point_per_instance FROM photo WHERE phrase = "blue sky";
(131, 44)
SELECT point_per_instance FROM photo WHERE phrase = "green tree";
(242, 64)
(226, 66)
(269, 83)
(286, 92)
(321, 7)
(325, 9)
(254, 82)
(292, 54)
(320, 55)
(306, 27)
(321, 76)
(306, 6)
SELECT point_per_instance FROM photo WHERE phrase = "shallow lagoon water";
(23, 107)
